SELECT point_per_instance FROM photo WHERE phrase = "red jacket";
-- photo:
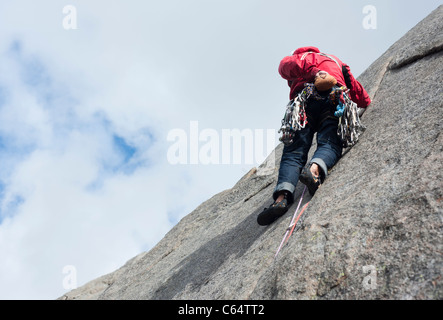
(304, 64)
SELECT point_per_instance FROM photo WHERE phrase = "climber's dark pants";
(329, 148)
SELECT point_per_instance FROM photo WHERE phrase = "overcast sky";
(85, 115)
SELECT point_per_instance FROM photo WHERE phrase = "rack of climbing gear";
(349, 124)
(295, 116)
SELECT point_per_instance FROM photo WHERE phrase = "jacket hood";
(306, 49)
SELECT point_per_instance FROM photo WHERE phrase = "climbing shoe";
(275, 211)
(311, 181)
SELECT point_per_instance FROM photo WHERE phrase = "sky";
(115, 116)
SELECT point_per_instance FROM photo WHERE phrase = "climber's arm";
(357, 92)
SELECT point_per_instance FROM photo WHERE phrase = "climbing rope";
(293, 223)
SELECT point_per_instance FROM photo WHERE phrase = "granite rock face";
(372, 231)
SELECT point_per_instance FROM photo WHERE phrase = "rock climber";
(309, 65)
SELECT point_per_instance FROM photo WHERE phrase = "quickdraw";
(349, 126)
(295, 116)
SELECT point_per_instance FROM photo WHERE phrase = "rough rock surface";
(378, 216)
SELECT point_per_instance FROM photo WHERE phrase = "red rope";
(295, 223)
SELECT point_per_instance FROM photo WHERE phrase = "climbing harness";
(349, 126)
(293, 223)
